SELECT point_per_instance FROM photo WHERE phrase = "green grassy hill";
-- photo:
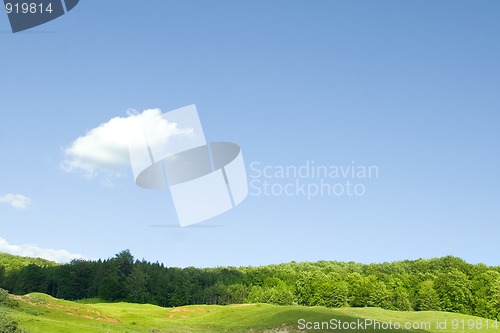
(40, 313)
(11, 262)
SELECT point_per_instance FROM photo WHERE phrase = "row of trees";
(448, 284)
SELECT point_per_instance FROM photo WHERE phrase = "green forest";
(442, 284)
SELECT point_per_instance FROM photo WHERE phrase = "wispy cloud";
(104, 149)
(17, 201)
(28, 250)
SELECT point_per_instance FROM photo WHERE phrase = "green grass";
(40, 313)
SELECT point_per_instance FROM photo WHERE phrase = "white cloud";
(17, 201)
(27, 250)
(104, 149)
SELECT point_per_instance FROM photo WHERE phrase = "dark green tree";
(280, 294)
(137, 283)
(330, 292)
(236, 294)
(401, 299)
(303, 288)
(2, 275)
(217, 294)
(379, 295)
(113, 285)
(30, 279)
(427, 298)
(179, 286)
(454, 290)
(483, 291)
(495, 300)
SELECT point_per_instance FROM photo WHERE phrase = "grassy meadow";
(40, 313)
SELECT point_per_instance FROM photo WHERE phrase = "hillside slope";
(40, 313)
(12, 262)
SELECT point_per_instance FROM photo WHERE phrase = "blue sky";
(411, 87)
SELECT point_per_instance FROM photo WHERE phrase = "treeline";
(447, 284)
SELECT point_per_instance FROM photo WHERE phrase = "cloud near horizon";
(29, 250)
(104, 149)
(17, 201)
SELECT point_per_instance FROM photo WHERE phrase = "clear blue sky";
(412, 87)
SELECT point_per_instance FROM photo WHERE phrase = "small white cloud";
(27, 250)
(17, 201)
(104, 149)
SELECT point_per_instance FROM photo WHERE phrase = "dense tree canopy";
(448, 283)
